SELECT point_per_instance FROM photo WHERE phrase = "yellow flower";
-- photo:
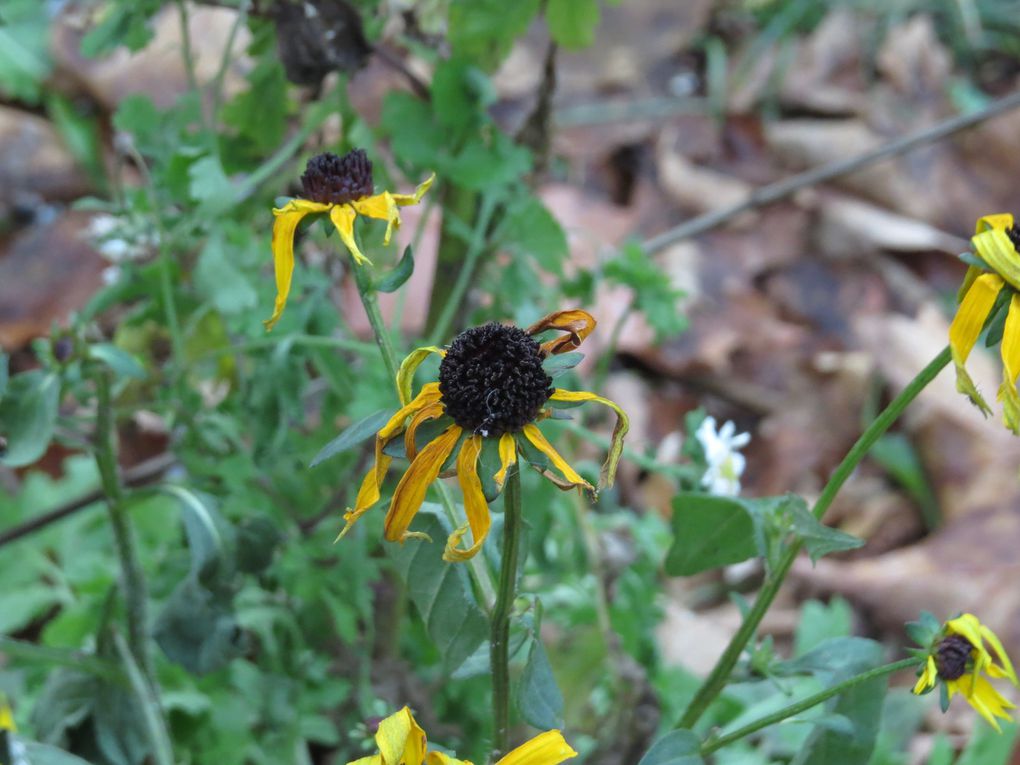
(492, 391)
(341, 187)
(960, 659)
(401, 741)
(997, 269)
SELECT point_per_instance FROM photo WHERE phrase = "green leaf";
(209, 186)
(924, 630)
(122, 363)
(25, 61)
(414, 135)
(67, 699)
(822, 621)
(257, 539)
(220, 280)
(125, 22)
(441, 591)
(678, 747)
(28, 416)
(528, 228)
(708, 532)
(4, 373)
(479, 165)
(818, 538)
(897, 455)
(572, 23)
(942, 751)
(654, 294)
(197, 628)
(483, 31)
(988, 746)
(395, 279)
(560, 364)
(43, 754)
(353, 434)
(539, 699)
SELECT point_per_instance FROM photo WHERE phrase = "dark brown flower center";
(952, 655)
(330, 179)
(492, 380)
(1014, 236)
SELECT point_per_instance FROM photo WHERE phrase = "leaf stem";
(499, 652)
(718, 677)
(714, 743)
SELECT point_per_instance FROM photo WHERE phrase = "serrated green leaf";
(354, 434)
(441, 591)
(220, 281)
(539, 699)
(708, 532)
(822, 621)
(678, 747)
(528, 228)
(819, 539)
(28, 416)
(572, 23)
(209, 186)
(122, 363)
(395, 279)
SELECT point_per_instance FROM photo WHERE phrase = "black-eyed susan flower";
(342, 188)
(992, 285)
(492, 391)
(963, 654)
(402, 741)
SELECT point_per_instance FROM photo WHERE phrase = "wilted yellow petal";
(415, 482)
(966, 327)
(534, 435)
(507, 457)
(1010, 350)
(431, 412)
(285, 223)
(995, 248)
(382, 207)
(576, 323)
(412, 199)
(927, 678)
(549, 748)
(475, 507)
(438, 758)
(1000, 653)
(987, 701)
(401, 740)
(410, 364)
(999, 220)
(374, 759)
(343, 217)
(622, 426)
(6, 716)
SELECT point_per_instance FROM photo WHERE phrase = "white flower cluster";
(118, 241)
(725, 463)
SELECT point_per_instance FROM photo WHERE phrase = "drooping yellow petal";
(431, 412)
(475, 507)
(988, 702)
(410, 364)
(6, 716)
(1000, 653)
(401, 740)
(1000, 221)
(622, 426)
(966, 327)
(415, 482)
(381, 207)
(507, 457)
(576, 323)
(1011, 366)
(373, 759)
(996, 249)
(534, 435)
(927, 678)
(285, 223)
(371, 484)
(438, 758)
(343, 217)
(549, 748)
(403, 200)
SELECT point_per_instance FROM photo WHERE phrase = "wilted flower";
(341, 187)
(492, 390)
(725, 463)
(958, 657)
(991, 287)
(401, 741)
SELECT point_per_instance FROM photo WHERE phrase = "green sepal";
(395, 279)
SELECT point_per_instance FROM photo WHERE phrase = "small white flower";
(725, 462)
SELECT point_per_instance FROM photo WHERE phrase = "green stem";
(499, 652)
(366, 290)
(486, 591)
(716, 680)
(133, 579)
(602, 370)
(713, 744)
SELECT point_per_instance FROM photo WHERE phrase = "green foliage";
(538, 697)
(709, 532)
(28, 416)
(654, 296)
(681, 747)
(572, 23)
(24, 49)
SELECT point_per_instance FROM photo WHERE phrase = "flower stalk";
(499, 651)
(715, 743)
(719, 676)
(370, 300)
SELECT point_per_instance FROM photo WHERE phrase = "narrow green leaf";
(43, 754)
(678, 747)
(560, 364)
(708, 532)
(441, 591)
(572, 23)
(4, 374)
(122, 363)
(820, 539)
(353, 435)
(28, 416)
(395, 279)
(539, 699)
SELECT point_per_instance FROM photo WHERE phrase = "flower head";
(492, 391)
(958, 656)
(725, 462)
(342, 188)
(401, 741)
(991, 290)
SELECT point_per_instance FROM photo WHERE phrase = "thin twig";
(784, 188)
(139, 475)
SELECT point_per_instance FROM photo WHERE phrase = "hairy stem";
(499, 655)
(715, 743)
(716, 680)
(370, 300)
